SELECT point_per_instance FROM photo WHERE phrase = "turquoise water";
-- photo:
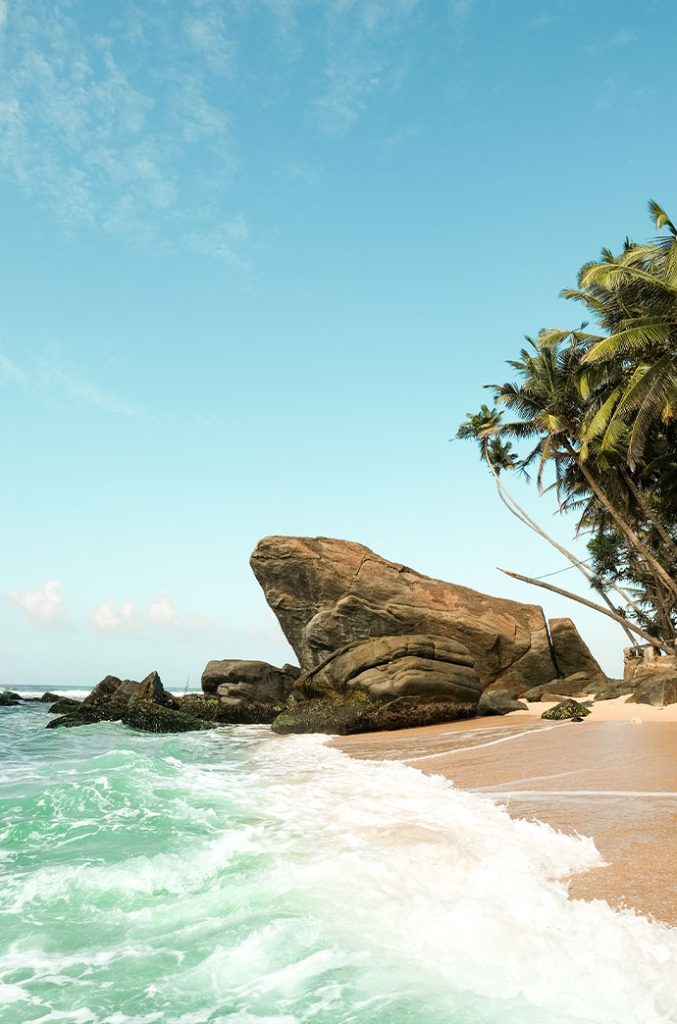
(237, 876)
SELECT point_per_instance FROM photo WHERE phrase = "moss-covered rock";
(356, 712)
(74, 717)
(226, 712)
(566, 709)
(149, 716)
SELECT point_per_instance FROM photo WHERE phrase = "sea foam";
(242, 877)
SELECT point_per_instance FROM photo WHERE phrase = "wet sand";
(606, 777)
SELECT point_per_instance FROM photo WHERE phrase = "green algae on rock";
(566, 709)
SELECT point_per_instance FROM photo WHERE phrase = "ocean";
(237, 876)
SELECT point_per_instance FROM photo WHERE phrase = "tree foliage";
(594, 415)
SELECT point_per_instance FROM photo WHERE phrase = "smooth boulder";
(498, 702)
(577, 685)
(384, 683)
(249, 691)
(658, 692)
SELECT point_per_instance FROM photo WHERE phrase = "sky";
(258, 259)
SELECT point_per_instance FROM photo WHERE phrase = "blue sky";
(258, 258)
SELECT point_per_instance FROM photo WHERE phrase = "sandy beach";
(612, 776)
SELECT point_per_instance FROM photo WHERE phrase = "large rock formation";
(328, 594)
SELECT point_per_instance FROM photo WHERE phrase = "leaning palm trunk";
(515, 509)
(591, 604)
(625, 528)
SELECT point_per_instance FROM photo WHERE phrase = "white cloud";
(163, 610)
(44, 606)
(106, 618)
(128, 617)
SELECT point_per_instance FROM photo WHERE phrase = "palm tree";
(551, 408)
(634, 297)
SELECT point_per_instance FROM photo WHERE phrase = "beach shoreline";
(612, 777)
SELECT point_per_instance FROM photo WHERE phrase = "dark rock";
(64, 705)
(150, 716)
(49, 697)
(145, 705)
(498, 702)
(151, 689)
(357, 712)
(614, 688)
(108, 700)
(572, 654)
(220, 712)
(328, 594)
(658, 692)
(576, 685)
(75, 717)
(567, 709)
(9, 699)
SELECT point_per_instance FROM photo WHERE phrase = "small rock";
(567, 709)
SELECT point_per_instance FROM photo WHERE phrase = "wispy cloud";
(362, 41)
(44, 606)
(227, 241)
(84, 391)
(543, 20)
(9, 371)
(124, 117)
(98, 127)
(49, 375)
(622, 38)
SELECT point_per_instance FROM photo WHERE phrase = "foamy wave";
(465, 895)
(241, 877)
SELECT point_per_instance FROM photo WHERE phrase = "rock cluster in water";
(146, 705)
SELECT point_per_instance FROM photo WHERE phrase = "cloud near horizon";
(110, 618)
(44, 606)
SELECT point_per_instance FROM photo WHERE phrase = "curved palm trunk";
(516, 510)
(636, 542)
(591, 604)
